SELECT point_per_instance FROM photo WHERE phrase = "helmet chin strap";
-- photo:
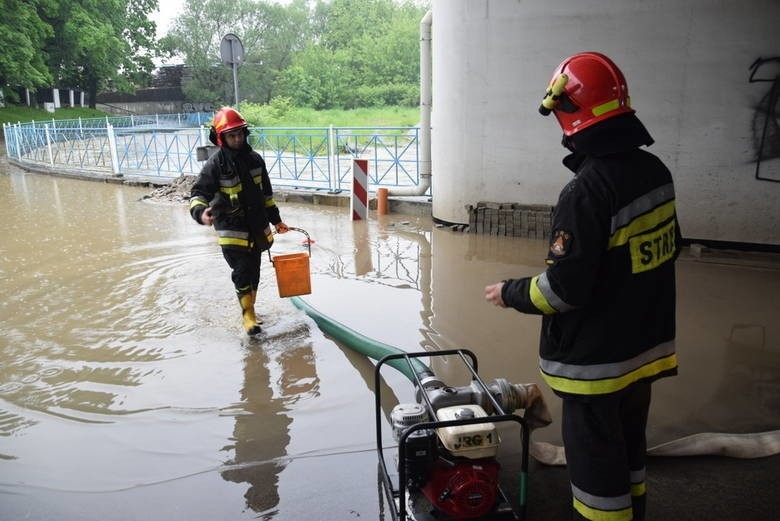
(567, 143)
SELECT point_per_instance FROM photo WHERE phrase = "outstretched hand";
(493, 294)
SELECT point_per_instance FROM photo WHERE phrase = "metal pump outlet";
(510, 397)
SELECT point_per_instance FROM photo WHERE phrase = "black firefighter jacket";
(235, 184)
(608, 293)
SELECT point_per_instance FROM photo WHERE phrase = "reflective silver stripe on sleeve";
(611, 370)
(552, 298)
(642, 205)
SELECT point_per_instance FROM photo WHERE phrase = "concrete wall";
(688, 70)
(121, 108)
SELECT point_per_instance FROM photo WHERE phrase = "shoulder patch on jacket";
(561, 243)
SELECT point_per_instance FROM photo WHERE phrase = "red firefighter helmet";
(586, 88)
(225, 120)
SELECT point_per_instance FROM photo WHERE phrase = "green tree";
(270, 34)
(100, 44)
(195, 36)
(345, 21)
(362, 53)
(23, 37)
(319, 78)
(277, 33)
(328, 54)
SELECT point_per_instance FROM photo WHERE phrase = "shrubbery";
(384, 96)
(269, 115)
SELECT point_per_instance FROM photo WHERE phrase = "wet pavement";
(127, 390)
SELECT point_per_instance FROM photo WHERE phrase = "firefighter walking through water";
(608, 294)
(233, 193)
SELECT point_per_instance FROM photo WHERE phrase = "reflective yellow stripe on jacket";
(648, 227)
(197, 201)
(608, 378)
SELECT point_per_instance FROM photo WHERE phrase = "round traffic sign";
(231, 50)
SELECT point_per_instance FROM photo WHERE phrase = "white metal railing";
(165, 146)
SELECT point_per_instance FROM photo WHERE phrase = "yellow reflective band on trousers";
(638, 489)
(233, 241)
(538, 299)
(642, 224)
(610, 385)
(638, 485)
(595, 514)
(601, 508)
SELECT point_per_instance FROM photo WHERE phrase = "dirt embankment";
(176, 192)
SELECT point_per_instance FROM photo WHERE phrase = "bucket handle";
(301, 230)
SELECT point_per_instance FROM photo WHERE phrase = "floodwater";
(128, 390)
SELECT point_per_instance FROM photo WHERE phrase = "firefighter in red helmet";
(607, 295)
(233, 193)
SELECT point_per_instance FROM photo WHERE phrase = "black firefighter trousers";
(604, 439)
(246, 268)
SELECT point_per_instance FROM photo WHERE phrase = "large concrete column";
(688, 66)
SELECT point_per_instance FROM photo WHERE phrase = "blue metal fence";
(164, 146)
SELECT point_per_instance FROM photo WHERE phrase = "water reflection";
(363, 264)
(259, 441)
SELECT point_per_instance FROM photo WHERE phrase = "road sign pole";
(232, 52)
(235, 82)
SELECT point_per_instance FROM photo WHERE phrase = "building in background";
(163, 96)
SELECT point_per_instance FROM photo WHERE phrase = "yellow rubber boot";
(248, 313)
(254, 299)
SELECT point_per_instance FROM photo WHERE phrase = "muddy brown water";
(127, 390)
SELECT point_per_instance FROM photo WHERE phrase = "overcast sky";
(170, 9)
(167, 11)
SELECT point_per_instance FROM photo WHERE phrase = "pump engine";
(454, 467)
(448, 442)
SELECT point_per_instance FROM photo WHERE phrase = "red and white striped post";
(359, 189)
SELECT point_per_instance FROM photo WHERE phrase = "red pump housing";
(465, 489)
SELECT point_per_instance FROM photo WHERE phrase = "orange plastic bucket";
(292, 274)
(293, 277)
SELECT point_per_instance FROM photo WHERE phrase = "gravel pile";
(176, 192)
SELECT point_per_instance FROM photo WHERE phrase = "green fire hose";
(362, 344)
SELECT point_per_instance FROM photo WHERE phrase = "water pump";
(448, 442)
(454, 467)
